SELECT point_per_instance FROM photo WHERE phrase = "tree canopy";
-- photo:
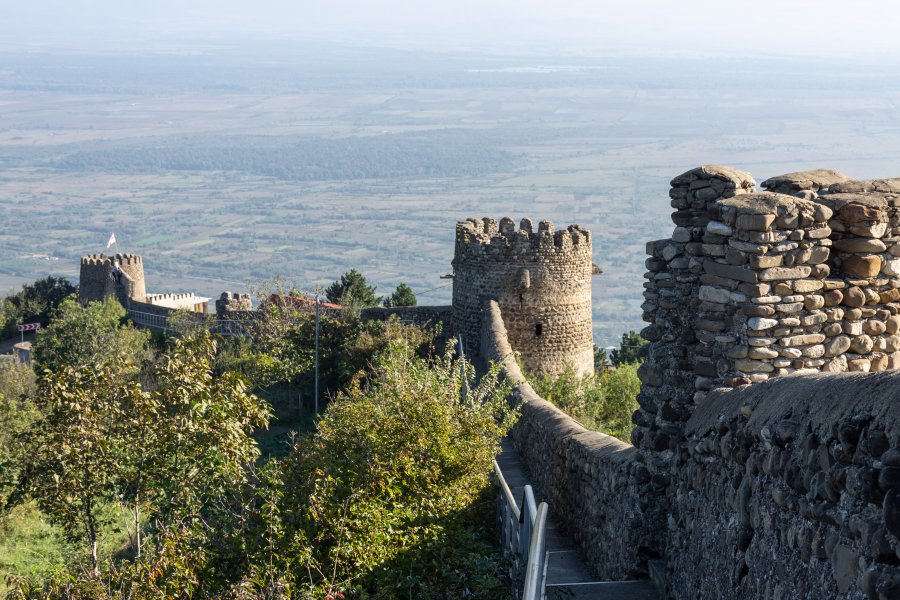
(86, 335)
(402, 296)
(33, 303)
(352, 290)
(629, 352)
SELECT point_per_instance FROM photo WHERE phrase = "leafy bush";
(603, 402)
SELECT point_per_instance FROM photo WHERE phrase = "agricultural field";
(227, 167)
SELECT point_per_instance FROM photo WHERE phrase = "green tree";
(85, 335)
(402, 296)
(34, 302)
(601, 358)
(17, 412)
(629, 351)
(76, 448)
(352, 290)
(102, 438)
(386, 480)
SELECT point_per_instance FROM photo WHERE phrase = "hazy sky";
(833, 28)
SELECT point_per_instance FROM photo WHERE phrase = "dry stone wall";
(803, 277)
(542, 281)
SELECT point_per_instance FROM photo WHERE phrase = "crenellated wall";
(120, 276)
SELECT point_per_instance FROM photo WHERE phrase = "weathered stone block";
(804, 286)
(754, 222)
(753, 366)
(802, 340)
(862, 266)
(853, 297)
(782, 273)
(761, 323)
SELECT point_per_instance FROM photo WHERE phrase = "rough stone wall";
(542, 282)
(760, 284)
(678, 354)
(120, 276)
(232, 302)
(789, 489)
(598, 488)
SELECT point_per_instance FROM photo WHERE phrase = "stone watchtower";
(542, 281)
(120, 276)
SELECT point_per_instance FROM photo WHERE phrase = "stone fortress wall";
(542, 282)
(766, 457)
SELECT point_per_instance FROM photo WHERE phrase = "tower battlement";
(478, 234)
(120, 276)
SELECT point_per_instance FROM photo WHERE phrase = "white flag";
(112, 240)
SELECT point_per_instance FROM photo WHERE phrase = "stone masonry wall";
(789, 489)
(678, 354)
(542, 281)
(754, 285)
(598, 487)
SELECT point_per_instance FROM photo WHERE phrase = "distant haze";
(815, 28)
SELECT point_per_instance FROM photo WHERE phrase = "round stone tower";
(120, 276)
(542, 282)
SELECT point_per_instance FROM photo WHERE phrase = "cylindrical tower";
(542, 282)
(120, 276)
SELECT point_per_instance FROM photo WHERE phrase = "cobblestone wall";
(754, 285)
(541, 280)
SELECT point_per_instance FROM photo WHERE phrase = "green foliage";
(402, 296)
(86, 335)
(17, 412)
(352, 290)
(629, 351)
(102, 438)
(34, 303)
(387, 483)
(601, 358)
(389, 498)
(77, 446)
(603, 402)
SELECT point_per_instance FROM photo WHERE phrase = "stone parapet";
(599, 489)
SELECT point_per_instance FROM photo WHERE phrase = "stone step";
(604, 590)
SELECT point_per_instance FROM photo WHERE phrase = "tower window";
(538, 329)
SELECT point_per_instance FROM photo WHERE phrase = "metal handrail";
(226, 327)
(524, 531)
(535, 571)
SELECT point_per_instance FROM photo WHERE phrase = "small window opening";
(538, 329)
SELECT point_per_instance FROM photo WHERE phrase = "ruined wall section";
(789, 489)
(541, 280)
(676, 356)
(232, 305)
